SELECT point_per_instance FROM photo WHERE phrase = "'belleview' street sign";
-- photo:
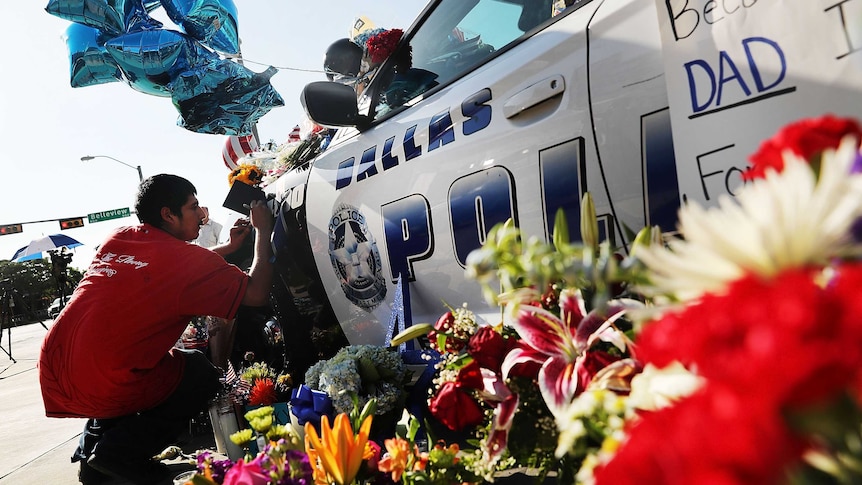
(107, 215)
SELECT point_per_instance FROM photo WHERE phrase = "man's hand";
(240, 230)
(261, 216)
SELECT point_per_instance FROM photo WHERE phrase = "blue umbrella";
(36, 246)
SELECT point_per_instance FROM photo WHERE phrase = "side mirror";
(330, 104)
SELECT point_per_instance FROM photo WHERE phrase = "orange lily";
(338, 450)
(397, 457)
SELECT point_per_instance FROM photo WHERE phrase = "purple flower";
(856, 167)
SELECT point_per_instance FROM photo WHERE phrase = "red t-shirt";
(108, 354)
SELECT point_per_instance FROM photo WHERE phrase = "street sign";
(108, 215)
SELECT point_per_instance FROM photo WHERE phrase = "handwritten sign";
(739, 70)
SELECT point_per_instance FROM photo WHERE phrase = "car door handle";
(533, 95)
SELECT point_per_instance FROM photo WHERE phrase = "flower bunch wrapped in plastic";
(260, 385)
(247, 174)
(278, 464)
(382, 44)
(281, 460)
(764, 308)
(364, 372)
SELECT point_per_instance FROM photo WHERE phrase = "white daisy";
(786, 220)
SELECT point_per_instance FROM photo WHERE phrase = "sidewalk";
(36, 449)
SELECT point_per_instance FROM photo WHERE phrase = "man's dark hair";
(162, 190)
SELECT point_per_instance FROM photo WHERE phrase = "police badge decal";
(355, 258)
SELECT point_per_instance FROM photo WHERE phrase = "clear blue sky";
(46, 126)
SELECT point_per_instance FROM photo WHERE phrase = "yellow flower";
(242, 437)
(338, 451)
(247, 174)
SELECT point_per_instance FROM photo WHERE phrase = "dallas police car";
(498, 109)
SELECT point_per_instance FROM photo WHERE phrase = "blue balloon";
(150, 5)
(223, 97)
(110, 16)
(150, 59)
(212, 22)
(112, 40)
(89, 62)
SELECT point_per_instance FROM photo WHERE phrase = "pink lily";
(560, 344)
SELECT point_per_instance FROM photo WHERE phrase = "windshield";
(456, 38)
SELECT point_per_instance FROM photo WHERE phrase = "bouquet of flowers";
(280, 461)
(361, 372)
(763, 307)
(258, 384)
(565, 334)
(382, 44)
(246, 173)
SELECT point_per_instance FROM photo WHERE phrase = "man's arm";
(260, 274)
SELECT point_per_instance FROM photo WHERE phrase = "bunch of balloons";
(118, 40)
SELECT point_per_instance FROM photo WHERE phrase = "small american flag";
(238, 388)
(294, 135)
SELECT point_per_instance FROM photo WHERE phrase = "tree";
(35, 284)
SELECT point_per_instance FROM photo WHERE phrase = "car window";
(454, 39)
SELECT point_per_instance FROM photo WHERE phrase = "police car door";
(481, 115)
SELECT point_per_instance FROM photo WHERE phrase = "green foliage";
(35, 284)
(506, 263)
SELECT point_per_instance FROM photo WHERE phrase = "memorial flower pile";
(764, 307)
(727, 353)
(565, 331)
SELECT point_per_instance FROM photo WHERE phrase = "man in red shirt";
(109, 356)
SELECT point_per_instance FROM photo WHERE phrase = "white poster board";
(739, 70)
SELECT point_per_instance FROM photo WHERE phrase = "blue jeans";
(146, 433)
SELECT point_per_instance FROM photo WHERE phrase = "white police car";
(498, 109)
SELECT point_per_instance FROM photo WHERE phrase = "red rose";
(488, 348)
(445, 325)
(455, 408)
(470, 377)
(806, 138)
(383, 44)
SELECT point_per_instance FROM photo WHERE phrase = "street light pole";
(87, 158)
